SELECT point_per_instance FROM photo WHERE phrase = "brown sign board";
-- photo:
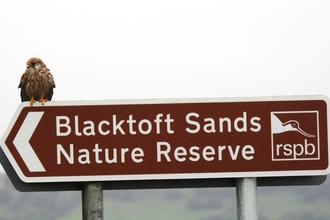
(171, 139)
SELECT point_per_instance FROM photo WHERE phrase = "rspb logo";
(295, 135)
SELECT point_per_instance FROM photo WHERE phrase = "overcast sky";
(166, 49)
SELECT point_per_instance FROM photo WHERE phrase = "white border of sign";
(317, 135)
(164, 176)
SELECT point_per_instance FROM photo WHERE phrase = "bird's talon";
(32, 101)
(43, 101)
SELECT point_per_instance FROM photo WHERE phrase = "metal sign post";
(92, 201)
(246, 195)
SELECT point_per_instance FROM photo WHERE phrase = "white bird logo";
(291, 125)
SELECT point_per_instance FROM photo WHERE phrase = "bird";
(37, 82)
(291, 125)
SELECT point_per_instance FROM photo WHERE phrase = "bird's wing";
(52, 82)
(23, 77)
(22, 84)
(49, 94)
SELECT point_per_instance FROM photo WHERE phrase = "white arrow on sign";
(21, 142)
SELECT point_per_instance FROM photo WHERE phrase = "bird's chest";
(36, 83)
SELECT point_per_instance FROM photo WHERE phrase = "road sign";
(169, 139)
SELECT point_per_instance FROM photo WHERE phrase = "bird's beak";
(305, 133)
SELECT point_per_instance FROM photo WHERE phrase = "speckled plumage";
(37, 83)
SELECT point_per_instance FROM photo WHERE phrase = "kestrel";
(37, 83)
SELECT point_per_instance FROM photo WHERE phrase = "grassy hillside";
(274, 203)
